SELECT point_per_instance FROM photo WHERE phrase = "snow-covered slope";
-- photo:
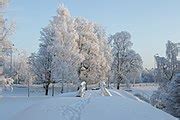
(92, 107)
(10, 106)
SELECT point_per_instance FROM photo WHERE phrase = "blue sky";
(150, 22)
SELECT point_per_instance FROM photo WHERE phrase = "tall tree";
(65, 52)
(166, 69)
(92, 44)
(6, 47)
(126, 60)
(41, 62)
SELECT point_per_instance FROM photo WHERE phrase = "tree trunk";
(108, 83)
(46, 89)
(78, 88)
(28, 89)
(53, 90)
(86, 86)
(118, 85)
(62, 88)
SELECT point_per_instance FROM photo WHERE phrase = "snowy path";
(74, 111)
(124, 94)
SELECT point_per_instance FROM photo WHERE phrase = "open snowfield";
(147, 90)
(121, 105)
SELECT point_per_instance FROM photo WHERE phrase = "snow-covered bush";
(142, 97)
(7, 84)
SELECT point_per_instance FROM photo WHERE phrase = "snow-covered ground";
(147, 90)
(10, 106)
(121, 105)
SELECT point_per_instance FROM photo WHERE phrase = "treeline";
(73, 49)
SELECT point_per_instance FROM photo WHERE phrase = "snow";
(146, 90)
(177, 74)
(121, 105)
(10, 106)
(114, 108)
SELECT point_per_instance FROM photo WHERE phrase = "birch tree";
(65, 52)
(92, 44)
(6, 47)
(126, 60)
(41, 62)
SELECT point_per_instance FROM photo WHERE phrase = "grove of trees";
(73, 49)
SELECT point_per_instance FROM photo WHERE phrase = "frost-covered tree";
(58, 57)
(22, 69)
(166, 69)
(172, 102)
(41, 62)
(6, 29)
(3, 2)
(92, 44)
(71, 50)
(125, 60)
(148, 75)
(167, 66)
(6, 47)
(65, 51)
